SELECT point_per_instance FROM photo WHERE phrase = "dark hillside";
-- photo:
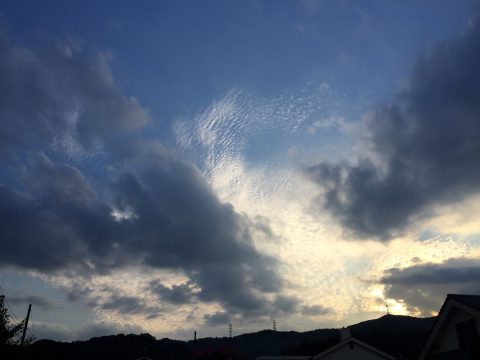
(396, 335)
(268, 342)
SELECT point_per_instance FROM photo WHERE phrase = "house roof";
(468, 303)
(356, 341)
(470, 300)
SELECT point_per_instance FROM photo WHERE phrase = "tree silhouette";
(9, 334)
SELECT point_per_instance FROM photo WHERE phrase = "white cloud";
(321, 265)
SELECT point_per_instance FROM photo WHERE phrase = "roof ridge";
(465, 294)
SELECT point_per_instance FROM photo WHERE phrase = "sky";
(179, 166)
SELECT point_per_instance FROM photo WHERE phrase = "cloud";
(77, 292)
(182, 224)
(423, 288)
(127, 304)
(176, 294)
(113, 295)
(422, 149)
(68, 227)
(315, 310)
(179, 224)
(286, 304)
(123, 304)
(35, 300)
(217, 319)
(58, 95)
(152, 209)
(239, 125)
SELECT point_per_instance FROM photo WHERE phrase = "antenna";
(274, 325)
(230, 330)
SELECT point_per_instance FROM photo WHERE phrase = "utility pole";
(26, 324)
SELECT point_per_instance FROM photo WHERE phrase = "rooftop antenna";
(230, 330)
(274, 325)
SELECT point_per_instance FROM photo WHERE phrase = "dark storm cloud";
(167, 215)
(452, 271)
(176, 294)
(237, 290)
(423, 287)
(248, 307)
(59, 224)
(427, 141)
(285, 304)
(47, 93)
(178, 223)
(217, 319)
(179, 220)
(182, 224)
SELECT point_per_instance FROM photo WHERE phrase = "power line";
(9, 308)
(11, 311)
(12, 314)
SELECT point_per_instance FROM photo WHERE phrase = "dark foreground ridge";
(393, 334)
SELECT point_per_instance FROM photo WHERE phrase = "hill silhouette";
(397, 335)
(394, 334)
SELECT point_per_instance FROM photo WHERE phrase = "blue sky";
(217, 156)
(177, 56)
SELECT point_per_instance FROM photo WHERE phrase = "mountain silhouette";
(401, 336)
